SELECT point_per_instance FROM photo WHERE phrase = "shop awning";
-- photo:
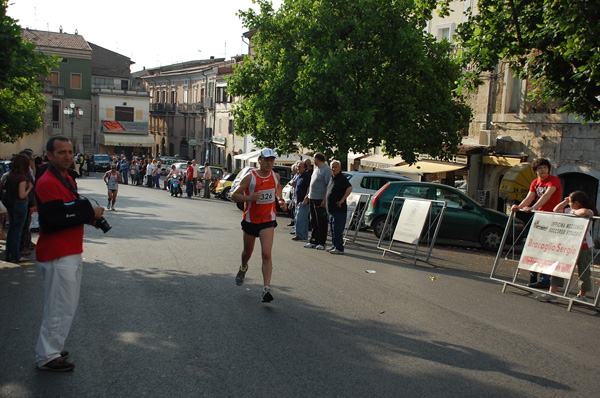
(516, 182)
(501, 160)
(283, 159)
(427, 167)
(356, 155)
(244, 156)
(380, 161)
(126, 140)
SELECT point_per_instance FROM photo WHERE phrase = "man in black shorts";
(259, 189)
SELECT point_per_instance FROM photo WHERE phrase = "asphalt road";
(160, 315)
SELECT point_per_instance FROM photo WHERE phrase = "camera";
(103, 224)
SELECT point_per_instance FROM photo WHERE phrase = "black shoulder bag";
(56, 215)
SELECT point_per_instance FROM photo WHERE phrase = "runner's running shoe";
(239, 278)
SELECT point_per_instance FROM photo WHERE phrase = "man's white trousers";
(62, 279)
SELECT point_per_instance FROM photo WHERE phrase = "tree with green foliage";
(340, 75)
(21, 66)
(555, 43)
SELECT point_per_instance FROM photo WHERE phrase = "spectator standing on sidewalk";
(302, 205)
(546, 191)
(207, 177)
(26, 245)
(124, 169)
(157, 173)
(295, 175)
(150, 169)
(18, 187)
(337, 192)
(59, 256)
(260, 190)
(189, 179)
(196, 167)
(319, 180)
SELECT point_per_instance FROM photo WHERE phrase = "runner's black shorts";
(254, 229)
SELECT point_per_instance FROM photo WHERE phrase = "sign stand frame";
(356, 217)
(435, 220)
(570, 282)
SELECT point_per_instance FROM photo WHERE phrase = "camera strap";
(64, 181)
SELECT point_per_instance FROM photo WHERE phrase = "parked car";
(4, 166)
(100, 162)
(223, 188)
(362, 182)
(165, 164)
(284, 175)
(464, 219)
(216, 172)
(237, 181)
(371, 181)
(182, 166)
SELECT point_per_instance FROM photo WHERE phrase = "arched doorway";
(572, 182)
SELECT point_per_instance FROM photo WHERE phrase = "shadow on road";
(147, 332)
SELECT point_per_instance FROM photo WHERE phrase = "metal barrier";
(552, 246)
(413, 215)
(357, 206)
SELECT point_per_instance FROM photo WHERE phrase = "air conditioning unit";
(487, 138)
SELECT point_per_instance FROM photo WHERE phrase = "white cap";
(268, 153)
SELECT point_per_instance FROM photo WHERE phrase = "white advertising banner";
(553, 243)
(352, 202)
(411, 221)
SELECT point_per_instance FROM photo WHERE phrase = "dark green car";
(464, 219)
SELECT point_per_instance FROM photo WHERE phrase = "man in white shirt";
(207, 177)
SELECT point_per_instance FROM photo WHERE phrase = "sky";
(152, 33)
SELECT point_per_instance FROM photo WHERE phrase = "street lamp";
(73, 112)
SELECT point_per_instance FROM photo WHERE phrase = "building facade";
(190, 111)
(69, 83)
(512, 131)
(120, 116)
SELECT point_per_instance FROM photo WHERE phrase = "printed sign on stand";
(552, 245)
(411, 221)
(352, 202)
(413, 215)
(357, 204)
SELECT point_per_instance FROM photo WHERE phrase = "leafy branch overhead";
(21, 67)
(555, 43)
(340, 75)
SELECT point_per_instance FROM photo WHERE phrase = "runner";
(259, 189)
(112, 179)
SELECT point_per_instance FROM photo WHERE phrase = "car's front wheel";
(490, 238)
(226, 193)
(378, 226)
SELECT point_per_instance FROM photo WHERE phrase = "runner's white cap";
(268, 153)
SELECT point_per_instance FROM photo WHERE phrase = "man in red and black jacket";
(59, 252)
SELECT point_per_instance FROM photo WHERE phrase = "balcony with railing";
(119, 92)
(160, 107)
(190, 108)
(48, 88)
